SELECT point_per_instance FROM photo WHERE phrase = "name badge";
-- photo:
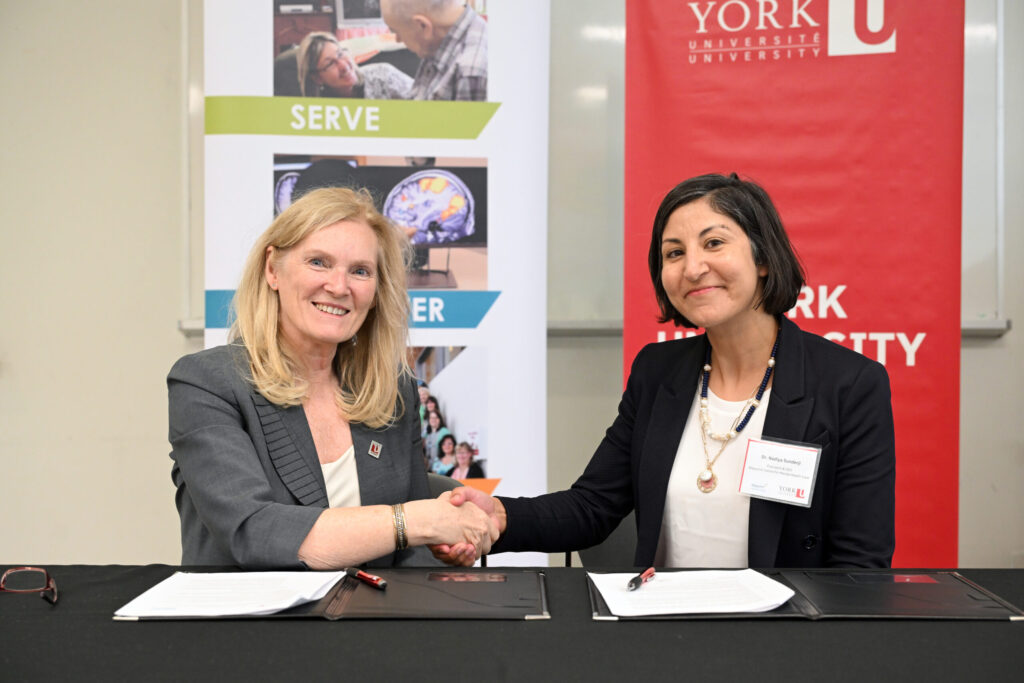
(779, 471)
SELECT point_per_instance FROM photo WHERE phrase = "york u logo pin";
(375, 449)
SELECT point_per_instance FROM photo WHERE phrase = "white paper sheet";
(692, 592)
(187, 594)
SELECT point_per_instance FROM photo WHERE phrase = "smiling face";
(326, 286)
(336, 69)
(448, 444)
(708, 268)
(463, 456)
(434, 420)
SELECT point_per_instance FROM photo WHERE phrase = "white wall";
(95, 218)
(93, 278)
(465, 411)
(992, 370)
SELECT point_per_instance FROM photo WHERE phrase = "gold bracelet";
(398, 518)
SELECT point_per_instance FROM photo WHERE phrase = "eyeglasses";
(337, 59)
(29, 580)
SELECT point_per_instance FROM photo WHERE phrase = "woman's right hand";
(461, 553)
(439, 522)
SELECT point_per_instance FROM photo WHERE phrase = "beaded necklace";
(707, 480)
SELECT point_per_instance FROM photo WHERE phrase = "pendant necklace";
(707, 480)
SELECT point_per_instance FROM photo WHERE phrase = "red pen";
(378, 582)
(640, 579)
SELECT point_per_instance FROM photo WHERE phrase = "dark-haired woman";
(428, 405)
(720, 259)
(445, 462)
(436, 430)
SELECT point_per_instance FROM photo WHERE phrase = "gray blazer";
(249, 481)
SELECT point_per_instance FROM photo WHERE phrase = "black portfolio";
(862, 594)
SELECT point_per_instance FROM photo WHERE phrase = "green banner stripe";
(245, 115)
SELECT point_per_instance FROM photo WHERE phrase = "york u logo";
(860, 27)
(800, 493)
(758, 15)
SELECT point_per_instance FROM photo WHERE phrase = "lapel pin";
(375, 449)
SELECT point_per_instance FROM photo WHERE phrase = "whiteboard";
(981, 295)
(586, 161)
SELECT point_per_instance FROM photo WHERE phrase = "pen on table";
(377, 582)
(640, 579)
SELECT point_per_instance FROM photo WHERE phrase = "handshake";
(474, 521)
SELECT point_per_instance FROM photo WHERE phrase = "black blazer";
(822, 393)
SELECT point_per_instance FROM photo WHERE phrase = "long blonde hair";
(369, 366)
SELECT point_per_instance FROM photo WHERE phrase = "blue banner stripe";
(218, 308)
(439, 308)
(432, 308)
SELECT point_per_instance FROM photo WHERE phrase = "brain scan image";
(434, 202)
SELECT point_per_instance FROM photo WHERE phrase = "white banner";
(478, 284)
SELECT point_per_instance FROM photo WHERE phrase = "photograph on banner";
(381, 49)
(453, 413)
(440, 203)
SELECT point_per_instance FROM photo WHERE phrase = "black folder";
(434, 594)
(862, 594)
(443, 593)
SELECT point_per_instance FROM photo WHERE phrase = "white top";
(342, 480)
(709, 529)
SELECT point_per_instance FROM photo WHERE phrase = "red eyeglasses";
(29, 580)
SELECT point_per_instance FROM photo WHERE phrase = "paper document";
(229, 594)
(692, 592)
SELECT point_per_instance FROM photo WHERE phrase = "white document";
(692, 592)
(228, 594)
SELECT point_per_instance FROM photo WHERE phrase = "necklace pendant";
(707, 481)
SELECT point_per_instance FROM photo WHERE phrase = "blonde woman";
(326, 69)
(465, 468)
(298, 443)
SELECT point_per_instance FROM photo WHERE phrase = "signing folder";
(410, 594)
(859, 594)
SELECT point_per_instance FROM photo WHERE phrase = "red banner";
(849, 113)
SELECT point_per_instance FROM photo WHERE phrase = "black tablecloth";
(77, 640)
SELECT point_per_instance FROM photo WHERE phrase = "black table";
(78, 640)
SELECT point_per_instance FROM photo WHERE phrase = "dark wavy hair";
(750, 206)
(440, 419)
(446, 437)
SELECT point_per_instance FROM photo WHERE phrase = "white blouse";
(709, 529)
(342, 480)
